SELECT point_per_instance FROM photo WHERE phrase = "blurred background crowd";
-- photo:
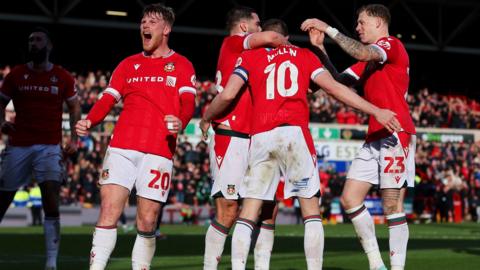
(446, 172)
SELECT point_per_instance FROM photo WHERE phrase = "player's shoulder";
(132, 58)
(21, 68)
(389, 42)
(131, 61)
(250, 54)
(234, 44)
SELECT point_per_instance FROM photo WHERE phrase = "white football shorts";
(388, 162)
(287, 151)
(151, 174)
(228, 164)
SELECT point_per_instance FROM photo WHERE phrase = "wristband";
(331, 32)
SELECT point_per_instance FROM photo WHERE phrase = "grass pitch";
(432, 246)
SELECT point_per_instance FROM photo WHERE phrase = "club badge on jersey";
(169, 67)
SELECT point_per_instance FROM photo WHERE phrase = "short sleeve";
(187, 80)
(388, 47)
(246, 44)
(237, 44)
(315, 66)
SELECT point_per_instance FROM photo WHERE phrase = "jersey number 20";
(163, 177)
(280, 82)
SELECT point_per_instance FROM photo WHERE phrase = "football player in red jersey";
(158, 94)
(281, 142)
(228, 157)
(387, 158)
(38, 90)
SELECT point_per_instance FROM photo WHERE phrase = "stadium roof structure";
(425, 25)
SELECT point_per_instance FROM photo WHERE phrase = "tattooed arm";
(316, 39)
(354, 48)
(358, 50)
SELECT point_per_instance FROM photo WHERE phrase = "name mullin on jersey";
(290, 50)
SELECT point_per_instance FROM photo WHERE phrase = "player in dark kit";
(38, 90)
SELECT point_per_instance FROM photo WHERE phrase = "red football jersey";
(386, 85)
(38, 100)
(279, 80)
(150, 89)
(237, 116)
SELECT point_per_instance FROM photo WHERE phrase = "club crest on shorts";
(169, 67)
(105, 174)
(397, 178)
(231, 189)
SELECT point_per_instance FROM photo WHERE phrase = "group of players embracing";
(260, 120)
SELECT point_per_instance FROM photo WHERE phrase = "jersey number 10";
(280, 82)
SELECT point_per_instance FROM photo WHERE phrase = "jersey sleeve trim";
(349, 71)
(114, 93)
(187, 89)
(316, 72)
(243, 73)
(246, 43)
(382, 51)
(5, 97)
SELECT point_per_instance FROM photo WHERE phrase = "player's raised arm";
(316, 39)
(354, 48)
(350, 98)
(265, 39)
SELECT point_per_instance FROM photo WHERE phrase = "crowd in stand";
(445, 171)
